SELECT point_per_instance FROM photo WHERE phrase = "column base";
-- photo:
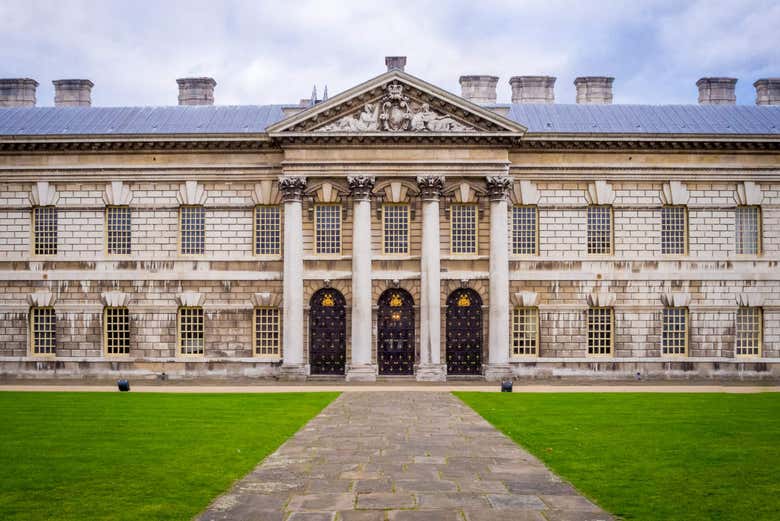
(294, 372)
(361, 373)
(431, 373)
(498, 372)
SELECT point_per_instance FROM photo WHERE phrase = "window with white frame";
(266, 331)
(525, 331)
(395, 226)
(600, 230)
(463, 221)
(43, 331)
(44, 230)
(525, 230)
(192, 229)
(601, 324)
(674, 230)
(116, 330)
(748, 229)
(749, 325)
(118, 226)
(191, 338)
(267, 230)
(674, 331)
(327, 229)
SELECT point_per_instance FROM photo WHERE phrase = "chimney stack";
(17, 92)
(395, 63)
(196, 91)
(717, 91)
(767, 91)
(72, 93)
(594, 90)
(479, 89)
(533, 89)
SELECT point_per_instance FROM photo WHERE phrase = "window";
(674, 334)
(267, 230)
(43, 330)
(118, 230)
(525, 230)
(748, 331)
(266, 331)
(525, 332)
(327, 229)
(600, 328)
(600, 230)
(463, 218)
(44, 230)
(116, 330)
(191, 331)
(192, 229)
(748, 227)
(395, 223)
(674, 230)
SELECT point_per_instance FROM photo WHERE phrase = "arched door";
(327, 332)
(395, 333)
(464, 332)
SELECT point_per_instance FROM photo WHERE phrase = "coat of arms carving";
(396, 112)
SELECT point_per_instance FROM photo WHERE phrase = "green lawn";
(126, 456)
(653, 456)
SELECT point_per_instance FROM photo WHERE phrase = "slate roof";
(251, 119)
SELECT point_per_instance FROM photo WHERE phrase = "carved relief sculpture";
(397, 113)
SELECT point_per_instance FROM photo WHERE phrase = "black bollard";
(506, 386)
(123, 385)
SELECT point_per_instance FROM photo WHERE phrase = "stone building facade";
(393, 230)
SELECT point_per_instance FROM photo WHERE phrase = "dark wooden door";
(327, 332)
(464, 333)
(395, 333)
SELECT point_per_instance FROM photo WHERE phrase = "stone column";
(293, 367)
(361, 369)
(430, 367)
(498, 367)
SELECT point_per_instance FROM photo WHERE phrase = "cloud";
(273, 52)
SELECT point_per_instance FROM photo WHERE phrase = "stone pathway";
(401, 456)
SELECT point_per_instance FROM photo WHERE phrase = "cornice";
(636, 142)
(135, 143)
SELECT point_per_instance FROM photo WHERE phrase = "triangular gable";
(396, 104)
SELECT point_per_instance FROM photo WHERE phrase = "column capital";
(498, 186)
(292, 187)
(361, 185)
(430, 186)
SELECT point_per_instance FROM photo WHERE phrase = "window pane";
(600, 331)
(328, 228)
(267, 230)
(673, 230)
(748, 226)
(193, 229)
(464, 228)
(525, 331)
(117, 330)
(267, 331)
(524, 230)
(44, 331)
(748, 331)
(599, 229)
(674, 331)
(191, 331)
(396, 228)
(45, 230)
(118, 230)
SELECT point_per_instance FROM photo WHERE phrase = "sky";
(263, 52)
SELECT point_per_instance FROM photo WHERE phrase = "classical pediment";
(397, 105)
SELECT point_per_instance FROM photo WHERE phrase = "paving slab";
(401, 456)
